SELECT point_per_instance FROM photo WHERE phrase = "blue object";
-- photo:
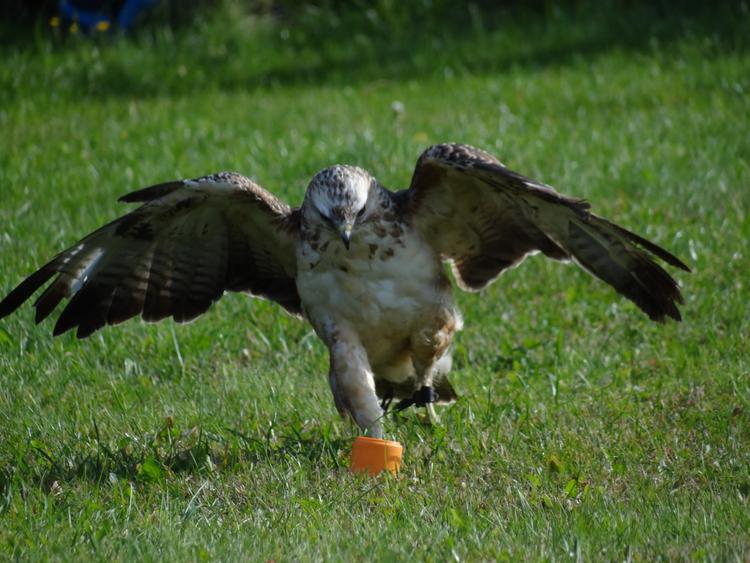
(96, 16)
(130, 10)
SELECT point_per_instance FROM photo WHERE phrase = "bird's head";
(338, 196)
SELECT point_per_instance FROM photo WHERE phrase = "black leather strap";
(420, 398)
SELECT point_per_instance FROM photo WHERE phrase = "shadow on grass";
(156, 456)
(326, 48)
(507, 38)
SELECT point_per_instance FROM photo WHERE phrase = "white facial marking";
(341, 189)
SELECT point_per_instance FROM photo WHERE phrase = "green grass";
(583, 429)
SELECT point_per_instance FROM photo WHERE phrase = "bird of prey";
(362, 264)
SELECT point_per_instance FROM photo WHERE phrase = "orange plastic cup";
(374, 455)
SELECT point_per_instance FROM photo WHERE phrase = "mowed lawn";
(583, 429)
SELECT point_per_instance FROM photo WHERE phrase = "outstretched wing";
(174, 256)
(486, 218)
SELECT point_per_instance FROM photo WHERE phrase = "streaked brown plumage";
(361, 263)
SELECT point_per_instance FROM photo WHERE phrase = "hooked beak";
(346, 234)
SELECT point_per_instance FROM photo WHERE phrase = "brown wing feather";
(487, 218)
(173, 256)
(476, 224)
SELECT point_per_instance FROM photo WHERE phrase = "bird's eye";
(361, 213)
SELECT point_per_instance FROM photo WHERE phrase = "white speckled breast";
(387, 268)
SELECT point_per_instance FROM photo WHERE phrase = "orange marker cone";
(374, 455)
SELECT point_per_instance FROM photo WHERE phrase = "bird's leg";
(432, 416)
(353, 384)
(428, 347)
(425, 376)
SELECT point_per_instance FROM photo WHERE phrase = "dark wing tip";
(655, 249)
(637, 276)
(665, 255)
(653, 290)
(25, 289)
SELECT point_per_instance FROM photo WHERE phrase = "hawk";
(362, 264)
